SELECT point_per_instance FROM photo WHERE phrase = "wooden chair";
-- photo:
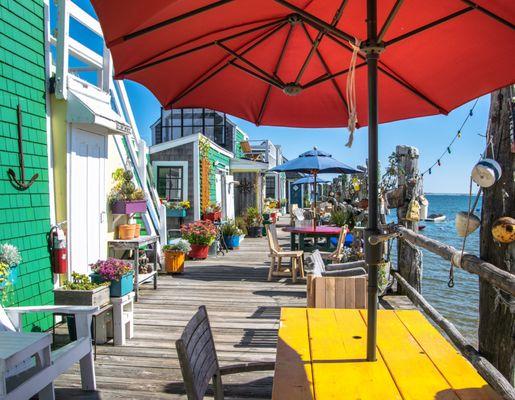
(27, 378)
(246, 148)
(199, 361)
(277, 253)
(352, 268)
(337, 254)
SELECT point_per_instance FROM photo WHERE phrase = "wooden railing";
(504, 280)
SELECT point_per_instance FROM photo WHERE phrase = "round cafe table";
(310, 231)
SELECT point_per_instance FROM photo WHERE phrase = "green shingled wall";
(238, 138)
(223, 161)
(25, 215)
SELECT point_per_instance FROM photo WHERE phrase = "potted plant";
(200, 234)
(213, 212)
(253, 220)
(9, 260)
(119, 272)
(81, 291)
(124, 197)
(231, 234)
(174, 256)
(240, 223)
(176, 208)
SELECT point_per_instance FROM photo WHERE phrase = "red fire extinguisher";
(57, 246)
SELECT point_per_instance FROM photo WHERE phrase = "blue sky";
(430, 134)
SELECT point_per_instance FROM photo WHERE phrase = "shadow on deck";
(244, 312)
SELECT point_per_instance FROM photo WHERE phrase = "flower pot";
(137, 230)
(213, 216)
(95, 297)
(174, 262)
(129, 207)
(198, 251)
(118, 288)
(177, 212)
(255, 232)
(274, 217)
(126, 231)
(232, 242)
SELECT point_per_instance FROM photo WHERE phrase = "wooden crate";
(96, 297)
(337, 292)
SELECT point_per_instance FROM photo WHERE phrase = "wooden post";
(409, 258)
(496, 321)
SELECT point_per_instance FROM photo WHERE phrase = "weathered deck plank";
(244, 311)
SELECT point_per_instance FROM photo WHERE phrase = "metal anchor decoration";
(20, 184)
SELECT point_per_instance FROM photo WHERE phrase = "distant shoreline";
(448, 194)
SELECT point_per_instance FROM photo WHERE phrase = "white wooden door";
(229, 196)
(87, 222)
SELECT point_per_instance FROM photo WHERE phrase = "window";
(270, 187)
(170, 183)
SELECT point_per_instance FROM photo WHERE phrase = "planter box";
(129, 207)
(96, 297)
(232, 242)
(118, 288)
(178, 212)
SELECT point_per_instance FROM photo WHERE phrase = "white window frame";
(185, 172)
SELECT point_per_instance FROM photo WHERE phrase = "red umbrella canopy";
(278, 62)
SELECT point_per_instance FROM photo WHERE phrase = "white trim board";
(195, 137)
(185, 172)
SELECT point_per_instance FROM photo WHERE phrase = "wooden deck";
(244, 310)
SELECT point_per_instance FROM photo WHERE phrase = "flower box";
(129, 207)
(213, 216)
(95, 297)
(118, 288)
(176, 212)
(198, 251)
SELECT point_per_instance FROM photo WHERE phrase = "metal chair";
(199, 361)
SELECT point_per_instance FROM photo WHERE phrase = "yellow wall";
(59, 139)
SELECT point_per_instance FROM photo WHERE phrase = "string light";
(456, 136)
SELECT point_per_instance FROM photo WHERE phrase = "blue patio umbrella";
(308, 179)
(315, 162)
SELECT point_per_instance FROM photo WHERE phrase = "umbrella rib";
(256, 75)
(167, 22)
(489, 13)
(428, 26)
(316, 22)
(250, 64)
(147, 64)
(198, 83)
(318, 39)
(276, 70)
(389, 20)
(394, 75)
(328, 71)
(325, 77)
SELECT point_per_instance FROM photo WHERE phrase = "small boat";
(421, 227)
(436, 218)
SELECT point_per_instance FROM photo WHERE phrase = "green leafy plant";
(231, 229)
(124, 188)
(82, 282)
(342, 217)
(252, 217)
(241, 224)
(180, 245)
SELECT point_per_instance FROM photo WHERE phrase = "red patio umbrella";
(286, 63)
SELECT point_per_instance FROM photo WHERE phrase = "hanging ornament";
(466, 223)
(486, 172)
(503, 230)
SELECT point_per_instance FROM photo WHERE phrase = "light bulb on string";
(449, 150)
(459, 134)
(439, 163)
(429, 171)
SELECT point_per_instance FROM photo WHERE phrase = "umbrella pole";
(372, 252)
(315, 192)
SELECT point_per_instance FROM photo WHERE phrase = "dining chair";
(277, 253)
(337, 254)
(199, 361)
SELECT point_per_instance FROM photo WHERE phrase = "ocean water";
(459, 304)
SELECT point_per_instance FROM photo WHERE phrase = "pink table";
(309, 231)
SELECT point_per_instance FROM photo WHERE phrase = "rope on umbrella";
(351, 91)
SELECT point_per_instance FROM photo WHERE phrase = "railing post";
(61, 70)
(142, 162)
(163, 230)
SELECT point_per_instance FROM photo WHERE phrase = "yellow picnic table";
(321, 355)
